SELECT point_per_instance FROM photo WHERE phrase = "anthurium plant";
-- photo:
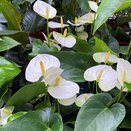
(65, 65)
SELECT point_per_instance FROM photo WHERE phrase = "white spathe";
(64, 90)
(53, 24)
(123, 72)
(93, 5)
(41, 7)
(66, 41)
(33, 71)
(67, 102)
(101, 57)
(87, 18)
(107, 76)
(5, 113)
(81, 99)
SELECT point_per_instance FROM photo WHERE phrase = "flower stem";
(58, 107)
(48, 35)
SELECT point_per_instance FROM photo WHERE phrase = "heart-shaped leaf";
(40, 120)
(96, 115)
(74, 64)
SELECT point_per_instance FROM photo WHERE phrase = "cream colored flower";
(124, 73)
(64, 40)
(105, 57)
(87, 18)
(44, 10)
(93, 5)
(38, 66)
(105, 75)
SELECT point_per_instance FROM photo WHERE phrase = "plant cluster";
(64, 65)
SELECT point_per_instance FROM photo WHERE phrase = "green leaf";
(107, 8)
(127, 85)
(7, 43)
(15, 116)
(26, 93)
(39, 120)
(96, 115)
(84, 5)
(74, 64)
(126, 123)
(22, 37)
(83, 46)
(101, 46)
(32, 22)
(11, 14)
(67, 128)
(8, 71)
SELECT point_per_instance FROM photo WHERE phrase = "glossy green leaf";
(7, 43)
(32, 22)
(16, 115)
(107, 8)
(20, 36)
(8, 71)
(126, 123)
(39, 120)
(74, 64)
(96, 115)
(128, 86)
(27, 93)
(101, 46)
(84, 5)
(83, 46)
(11, 14)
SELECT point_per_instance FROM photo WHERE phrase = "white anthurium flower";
(5, 113)
(62, 89)
(87, 18)
(58, 87)
(105, 57)
(44, 10)
(123, 72)
(93, 5)
(38, 66)
(81, 99)
(64, 40)
(105, 75)
(67, 102)
(53, 24)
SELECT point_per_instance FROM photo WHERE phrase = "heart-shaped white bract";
(93, 5)
(63, 89)
(53, 24)
(105, 57)
(67, 102)
(123, 72)
(87, 18)
(81, 99)
(44, 10)
(5, 113)
(105, 75)
(34, 72)
(66, 41)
